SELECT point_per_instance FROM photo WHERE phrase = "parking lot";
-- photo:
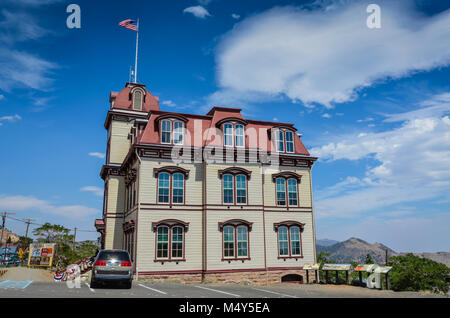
(177, 290)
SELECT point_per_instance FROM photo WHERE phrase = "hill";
(326, 242)
(355, 249)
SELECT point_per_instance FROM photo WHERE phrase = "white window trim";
(170, 131)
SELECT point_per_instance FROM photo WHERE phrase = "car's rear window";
(110, 255)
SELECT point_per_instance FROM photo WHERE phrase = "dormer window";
(172, 132)
(233, 135)
(137, 98)
(284, 140)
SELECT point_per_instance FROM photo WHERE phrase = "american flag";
(128, 24)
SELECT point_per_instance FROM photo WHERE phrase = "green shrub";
(413, 273)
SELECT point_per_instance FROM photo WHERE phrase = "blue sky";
(373, 104)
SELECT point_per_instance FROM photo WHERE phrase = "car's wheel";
(93, 284)
(128, 285)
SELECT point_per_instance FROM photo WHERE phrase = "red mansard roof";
(123, 99)
(151, 133)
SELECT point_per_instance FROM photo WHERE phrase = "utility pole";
(28, 221)
(74, 237)
(4, 214)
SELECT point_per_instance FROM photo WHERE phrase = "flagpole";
(135, 61)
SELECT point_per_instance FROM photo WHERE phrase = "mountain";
(326, 242)
(355, 249)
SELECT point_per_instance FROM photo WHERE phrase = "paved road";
(33, 289)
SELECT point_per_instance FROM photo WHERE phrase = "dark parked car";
(112, 266)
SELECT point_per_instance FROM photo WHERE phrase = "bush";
(413, 273)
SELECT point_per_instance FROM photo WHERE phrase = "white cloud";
(326, 115)
(97, 154)
(367, 119)
(21, 69)
(10, 118)
(2, 96)
(169, 103)
(30, 203)
(197, 11)
(235, 16)
(412, 164)
(95, 190)
(327, 56)
(16, 27)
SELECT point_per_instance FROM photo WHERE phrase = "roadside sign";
(41, 254)
(21, 253)
(337, 267)
(311, 266)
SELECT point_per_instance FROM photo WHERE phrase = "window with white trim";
(281, 191)
(289, 241)
(177, 242)
(234, 186)
(234, 135)
(166, 131)
(289, 141)
(239, 138)
(178, 128)
(163, 187)
(162, 245)
(286, 187)
(235, 241)
(284, 140)
(172, 132)
(228, 196)
(177, 188)
(228, 134)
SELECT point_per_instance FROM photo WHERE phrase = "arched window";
(284, 139)
(295, 240)
(228, 241)
(162, 246)
(137, 100)
(283, 241)
(281, 191)
(234, 185)
(234, 135)
(178, 132)
(241, 189)
(289, 239)
(242, 241)
(177, 242)
(170, 240)
(228, 134)
(171, 184)
(289, 141)
(163, 187)
(178, 188)
(292, 192)
(239, 132)
(228, 196)
(286, 188)
(235, 239)
(166, 131)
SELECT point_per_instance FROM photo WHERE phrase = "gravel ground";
(24, 273)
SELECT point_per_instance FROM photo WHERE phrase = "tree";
(51, 233)
(24, 242)
(413, 273)
(369, 259)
